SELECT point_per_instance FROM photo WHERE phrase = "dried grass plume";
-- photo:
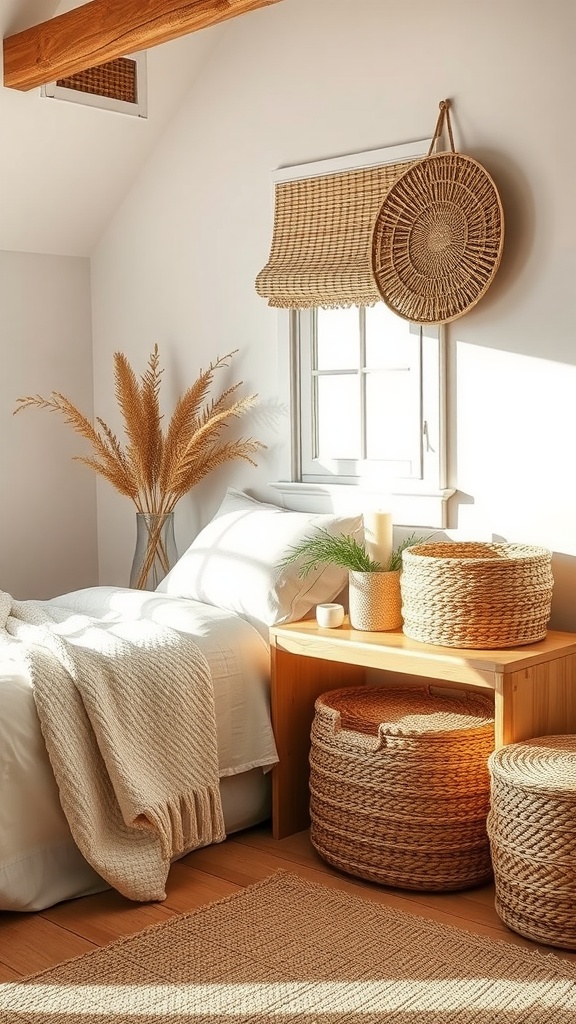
(156, 467)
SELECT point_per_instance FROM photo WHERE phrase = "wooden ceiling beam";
(102, 30)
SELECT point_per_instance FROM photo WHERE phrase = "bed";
(224, 593)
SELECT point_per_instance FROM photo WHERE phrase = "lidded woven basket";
(476, 595)
(532, 832)
(399, 785)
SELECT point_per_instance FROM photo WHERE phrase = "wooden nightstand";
(534, 690)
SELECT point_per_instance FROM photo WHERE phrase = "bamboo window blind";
(322, 236)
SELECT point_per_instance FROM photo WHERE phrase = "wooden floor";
(31, 942)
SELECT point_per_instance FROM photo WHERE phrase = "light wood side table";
(534, 690)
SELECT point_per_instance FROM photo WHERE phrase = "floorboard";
(32, 942)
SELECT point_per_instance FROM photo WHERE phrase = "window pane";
(338, 338)
(389, 341)
(338, 417)
(392, 417)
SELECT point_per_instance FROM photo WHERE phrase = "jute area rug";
(295, 952)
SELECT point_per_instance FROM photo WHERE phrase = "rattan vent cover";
(116, 79)
(438, 237)
(476, 595)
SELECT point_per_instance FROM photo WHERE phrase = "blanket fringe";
(127, 714)
(191, 820)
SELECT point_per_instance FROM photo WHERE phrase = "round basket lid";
(437, 241)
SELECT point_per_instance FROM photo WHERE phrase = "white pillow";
(234, 562)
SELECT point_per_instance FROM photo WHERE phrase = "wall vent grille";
(116, 79)
(118, 85)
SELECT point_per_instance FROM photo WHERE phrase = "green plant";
(345, 551)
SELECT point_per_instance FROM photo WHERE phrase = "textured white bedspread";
(34, 835)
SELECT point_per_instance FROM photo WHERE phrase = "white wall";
(48, 503)
(309, 79)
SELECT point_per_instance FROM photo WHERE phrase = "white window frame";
(420, 501)
(423, 464)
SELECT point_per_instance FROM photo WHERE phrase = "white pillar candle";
(378, 536)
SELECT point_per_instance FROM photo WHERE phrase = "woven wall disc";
(438, 237)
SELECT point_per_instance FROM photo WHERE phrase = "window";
(368, 398)
(367, 394)
(366, 389)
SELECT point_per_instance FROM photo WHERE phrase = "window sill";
(408, 509)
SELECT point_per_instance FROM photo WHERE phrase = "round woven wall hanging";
(438, 237)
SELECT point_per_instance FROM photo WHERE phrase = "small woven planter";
(476, 595)
(374, 600)
(399, 786)
(532, 832)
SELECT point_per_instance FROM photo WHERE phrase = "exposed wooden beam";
(102, 30)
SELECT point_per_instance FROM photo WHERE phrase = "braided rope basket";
(532, 832)
(399, 786)
(476, 595)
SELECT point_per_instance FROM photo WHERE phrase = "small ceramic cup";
(329, 615)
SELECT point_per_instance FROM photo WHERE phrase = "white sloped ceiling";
(65, 167)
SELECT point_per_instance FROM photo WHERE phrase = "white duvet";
(39, 863)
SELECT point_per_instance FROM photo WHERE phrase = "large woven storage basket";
(476, 595)
(399, 786)
(532, 831)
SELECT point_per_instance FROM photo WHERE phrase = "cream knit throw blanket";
(127, 714)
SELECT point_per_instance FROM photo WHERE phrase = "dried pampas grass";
(155, 468)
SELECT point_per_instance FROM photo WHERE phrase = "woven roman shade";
(322, 238)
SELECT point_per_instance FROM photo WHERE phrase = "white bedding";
(39, 863)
